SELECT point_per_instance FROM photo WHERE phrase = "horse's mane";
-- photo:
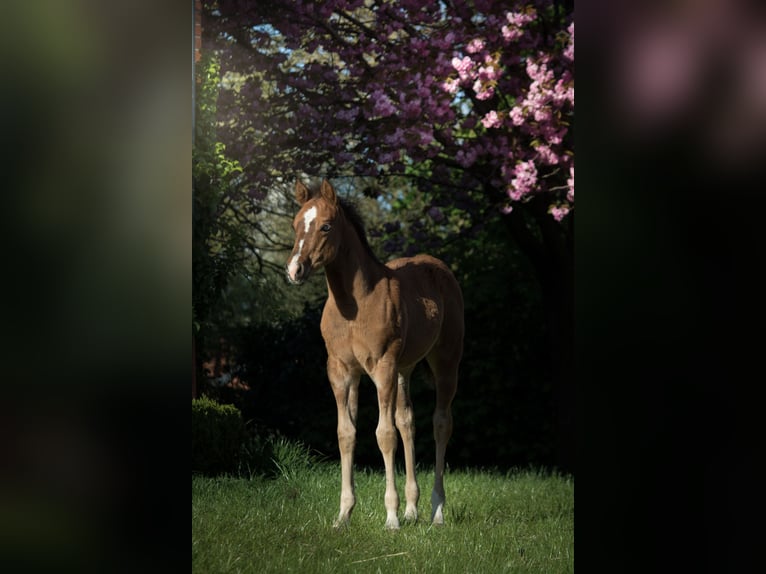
(355, 219)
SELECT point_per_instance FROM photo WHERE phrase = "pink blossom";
(475, 45)
(425, 135)
(483, 92)
(552, 135)
(525, 180)
(538, 70)
(394, 139)
(516, 21)
(511, 33)
(463, 66)
(558, 211)
(411, 109)
(547, 155)
(570, 185)
(569, 50)
(517, 116)
(521, 18)
(563, 91)
(489, 73)
(542, 114)
(491, 120)
(383, 106)
(515, 194)
(450, 85)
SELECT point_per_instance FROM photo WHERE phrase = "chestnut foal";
(380, 320)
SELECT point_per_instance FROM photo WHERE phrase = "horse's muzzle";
(297, 271)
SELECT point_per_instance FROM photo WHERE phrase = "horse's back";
(427, 276)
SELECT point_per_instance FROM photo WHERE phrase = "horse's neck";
(353, 274)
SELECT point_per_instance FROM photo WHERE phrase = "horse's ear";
(328, 193)
(302, 193)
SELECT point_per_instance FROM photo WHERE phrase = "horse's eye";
(325, 228)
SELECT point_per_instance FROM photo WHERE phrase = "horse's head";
(317, 237)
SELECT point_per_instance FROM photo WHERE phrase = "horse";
(382, 320)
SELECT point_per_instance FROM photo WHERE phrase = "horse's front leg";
(405, 422)
(385, 378)
(345, 386)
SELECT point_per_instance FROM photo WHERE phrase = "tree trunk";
(548, 245)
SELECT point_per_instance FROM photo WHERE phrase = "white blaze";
(308, 217)
(293, 267)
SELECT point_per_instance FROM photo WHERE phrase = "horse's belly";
(418, 342)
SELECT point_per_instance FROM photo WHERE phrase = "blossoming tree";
(482, 92)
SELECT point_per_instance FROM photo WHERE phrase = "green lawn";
(520, 522)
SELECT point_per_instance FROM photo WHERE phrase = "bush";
(290, 458)
(218, 433)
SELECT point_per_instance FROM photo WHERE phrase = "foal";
(380, 320)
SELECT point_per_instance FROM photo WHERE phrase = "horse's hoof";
(411, 516)
(392, 524)
(341, 524)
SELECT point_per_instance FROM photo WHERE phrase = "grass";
(517, 522)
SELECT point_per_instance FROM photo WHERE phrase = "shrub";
(218, 433)
(290, 458)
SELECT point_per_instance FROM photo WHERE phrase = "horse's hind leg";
(406, 425)
(445, 376)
